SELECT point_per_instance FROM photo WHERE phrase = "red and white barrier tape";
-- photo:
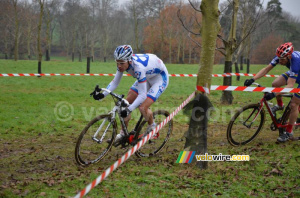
(240, 74)
(172, 75)
(203, 89)
(250, 89)
(131, 151)
(31, 74)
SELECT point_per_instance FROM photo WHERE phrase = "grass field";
(41, 119)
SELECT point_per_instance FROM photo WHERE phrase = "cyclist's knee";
(280, 81)
(131, 96)
(276, 84)
(143, 109)
(294, 102)
(127, 118)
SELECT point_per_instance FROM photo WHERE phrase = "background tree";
(6, 28)
(230, 47)
(96, 27)
(51, 11)
(39, 47)
(266, 49)
(31, 21)
(106, 7)
(196, 138)
(17, 27)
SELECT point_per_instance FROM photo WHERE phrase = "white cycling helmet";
(123, 52)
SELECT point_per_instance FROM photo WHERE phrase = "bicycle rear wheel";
(95, 140)
(243, 126)
(153, 146)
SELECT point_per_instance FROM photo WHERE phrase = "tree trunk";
(190, 54)
(237, 70)
(241, 62)
(182, 58)
(196, 137)
(136, 30)
(29, 40)
(88, 63)
(73, 56)
(73, 45)
(227, 97)
(178, 51)
(16, 51)
(79, 57)
(170, 50)
(230, 47)
(39, 67)
(248, 66)
(47, 55)
(40, 53)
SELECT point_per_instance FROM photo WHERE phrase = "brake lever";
(93, 93)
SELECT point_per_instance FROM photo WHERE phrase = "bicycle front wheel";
(95, 140)
(245, 125)
(153, 146)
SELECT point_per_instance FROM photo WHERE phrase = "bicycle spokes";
(245, 125)
(99, 129)
(251, 118)
(95, 140)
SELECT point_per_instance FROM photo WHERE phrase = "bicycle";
(248, 121)
(98, 137)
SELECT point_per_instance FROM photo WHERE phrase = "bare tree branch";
(220, 50)
(194, 6)
(183, 25)
(251, 30)
(189, 35)
(223, 40)
(197, 20)
(225, 8)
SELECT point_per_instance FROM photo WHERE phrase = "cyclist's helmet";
(284, 50)
(123, 52)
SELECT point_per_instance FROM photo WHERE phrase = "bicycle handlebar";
(258, 85)
(288, 95)
(124, 102)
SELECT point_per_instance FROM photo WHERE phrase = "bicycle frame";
(277, 124)
(116, 111)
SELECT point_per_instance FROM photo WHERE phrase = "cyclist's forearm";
(142, 87)
(138, 101)
(260, 74)
(114, 83)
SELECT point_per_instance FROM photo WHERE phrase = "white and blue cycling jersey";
(152, 78)
(293, 65)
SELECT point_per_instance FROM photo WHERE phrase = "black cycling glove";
(269, 96)
(125, 113)
(248, 82)
(98, 96)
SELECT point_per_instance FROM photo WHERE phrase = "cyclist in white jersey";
(285, 55)
(152, 80)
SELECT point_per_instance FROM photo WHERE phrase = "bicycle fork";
(255, 117)
(99, 141)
